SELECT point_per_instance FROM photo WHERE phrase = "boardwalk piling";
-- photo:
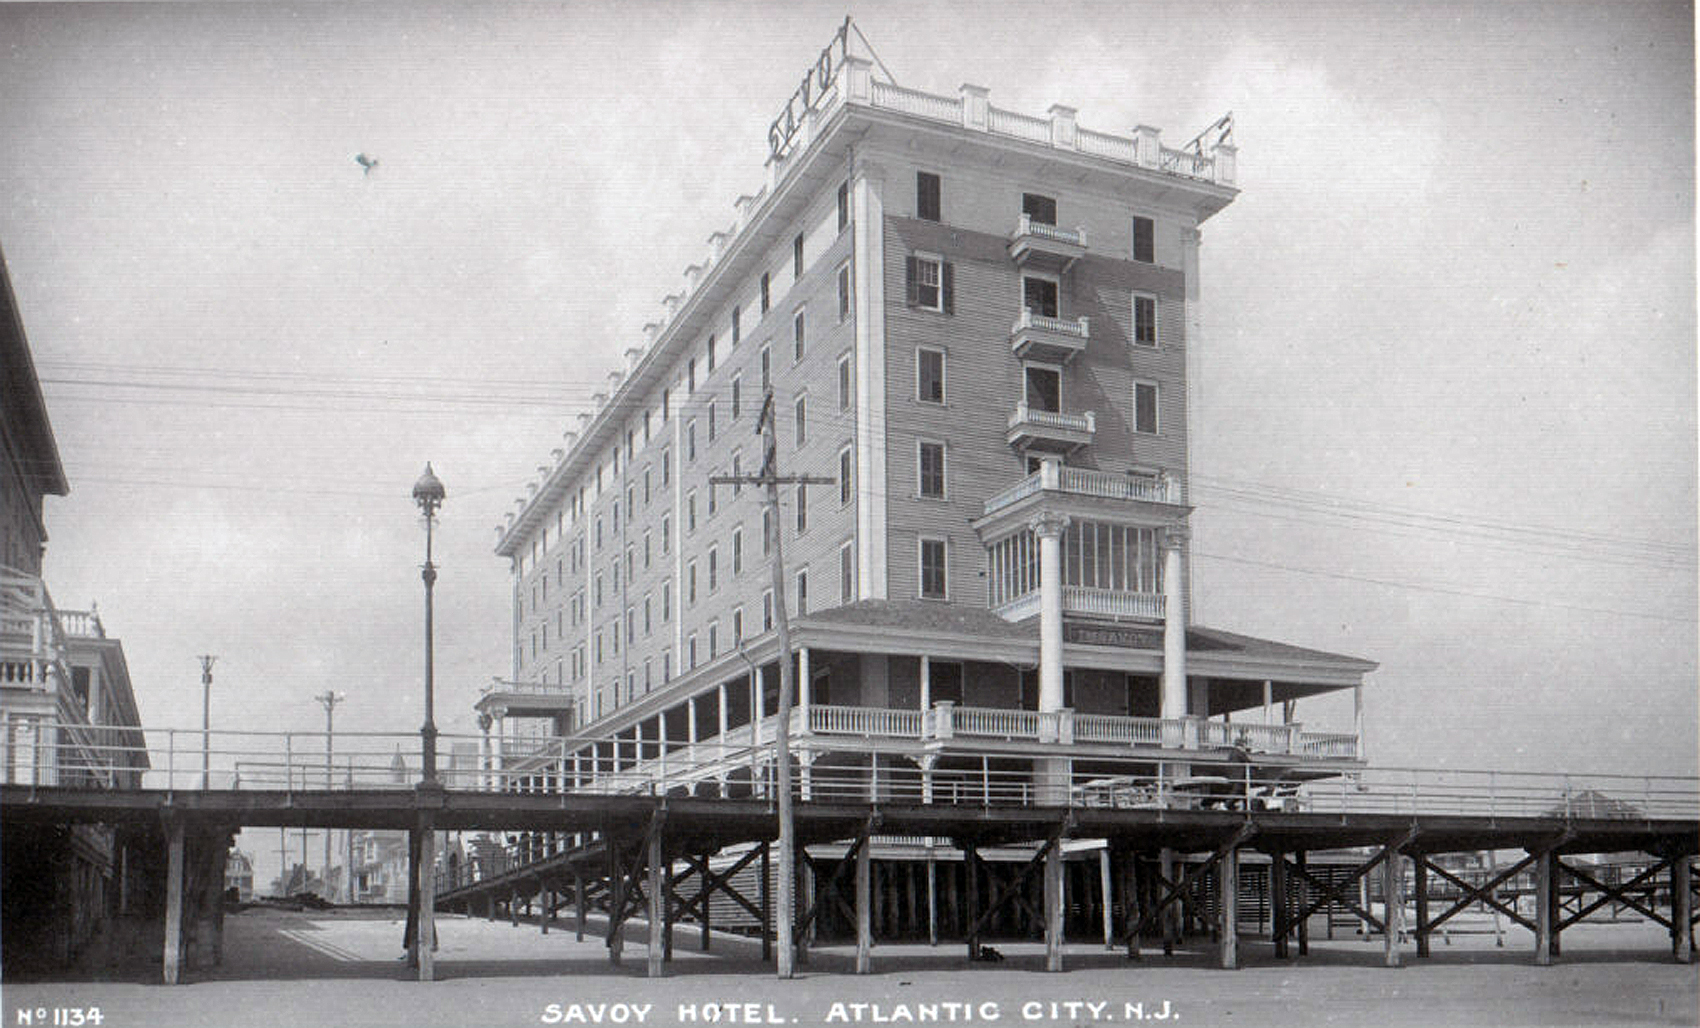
(173, 901)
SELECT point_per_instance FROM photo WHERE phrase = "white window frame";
(944, 469)
(1133, 322)
(799, 340)
(944, 373)
(846, 382)
(922, 257)
(921, 568)
(1042, 276)
(800, 418)
(1056, 369)
(847, 562)
(846, 474)
(1156, 406)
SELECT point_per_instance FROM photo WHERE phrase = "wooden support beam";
(173, 956)
(427, 900)
(971, 865)
(1619, 893)
(1544, 861)
(1681, 910)
(1555, 883)
(1227, 904)
(1132, 903)
(513, 908)
(410, 933)
(657, 896)
(932, 898)
(1393, 903)
(1470, 894)
(704, 908)
(864, 928)
(546, 904)
(1106, 892)
(1303, 894)
(578, 896)
(1420, 884)
(766, 894)
(1168, 915)
(1279, 925)
(1053, 907)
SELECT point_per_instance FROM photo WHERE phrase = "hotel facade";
(978, 325)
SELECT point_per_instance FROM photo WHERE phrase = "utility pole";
(329, 700)
(206, 720)
(770, 477)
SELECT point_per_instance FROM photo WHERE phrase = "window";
(1145, 320)
(738, 550)
(711, 496)
(766, 369)
(598, 592)
(713, 638)
(737, 390)
(802, 509)
(737, 626)
(691, 584)
(646, 423)
(930, 470)
(614, 510)
(797, 335)
(767, 610)
(846, 383)
(666, 600)
(691, 651)
(802, 592)
(843, 292)
(691, 377)
(926, 196)
(847, 572)
(1041, 210)
(614, 570)
(1144, 248)
(647, 495)
(711, 419)
(797, 256)
(631, 553)
(666, 466)
(1044, 388)
(648, 610)
(599, 531)
(932, 569)
(929, 375)
(691, 440)
(737, 328)
(802, 412)
(737, 472)
(713, 569)
(711, 351)
(666, 403)
(666, 533)
(766, 531)
(930, 283)
(843, 206)
(766, 291)
(1039, 295)
(846, 482)
(690, 511)
(631, 626)
(1145, 407)
(631, 500)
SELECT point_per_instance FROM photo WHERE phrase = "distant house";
(239, 875)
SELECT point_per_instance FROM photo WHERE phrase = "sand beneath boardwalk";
(340, 969)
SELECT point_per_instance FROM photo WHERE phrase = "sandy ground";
(340, 969)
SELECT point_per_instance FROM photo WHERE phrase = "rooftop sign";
(816, 81)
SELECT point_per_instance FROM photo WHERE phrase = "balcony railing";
(1049, 430)
(32, 637)
(1079, 599)
(1037, 337)
(878, 722)
(1028, 227)
(1053, 477)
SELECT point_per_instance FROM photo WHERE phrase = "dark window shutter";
(911, 281)
(947, 278)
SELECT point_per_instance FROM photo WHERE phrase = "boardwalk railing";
(298, 762)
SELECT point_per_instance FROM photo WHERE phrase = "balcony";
(1102, 603)
(32, 637)
(1050, 340)
(1049, 431)
(1057, 478)
(1043, 247)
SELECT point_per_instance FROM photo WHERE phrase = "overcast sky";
(1445, 403)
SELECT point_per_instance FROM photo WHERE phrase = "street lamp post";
(329, 700)
(428, 492)
(206, 720)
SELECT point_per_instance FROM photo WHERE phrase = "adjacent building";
(67, 709)
(978, 325)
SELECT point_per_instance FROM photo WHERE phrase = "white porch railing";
(32, 636)
(1079, 599)
(882, 722)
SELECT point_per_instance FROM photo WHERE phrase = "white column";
(1049, 530)
(926, 682)
(803, 677)
(868, 283)
(1174, 701)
